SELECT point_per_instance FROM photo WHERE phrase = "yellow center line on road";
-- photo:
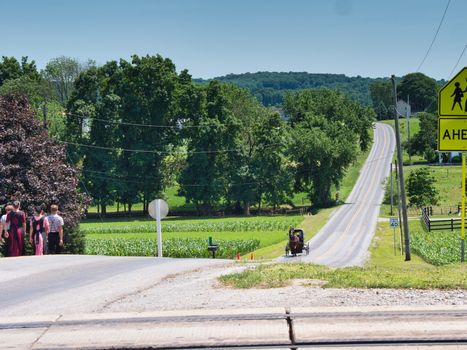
(369, 190)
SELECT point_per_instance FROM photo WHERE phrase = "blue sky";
(210, 38)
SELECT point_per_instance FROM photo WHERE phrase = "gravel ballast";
(201, 290)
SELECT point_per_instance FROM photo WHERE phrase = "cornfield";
(175, 247)
(230, 226)
(437, 248)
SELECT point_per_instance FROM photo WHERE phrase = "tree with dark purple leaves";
(34, 169)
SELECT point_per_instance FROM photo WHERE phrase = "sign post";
(463, 209)
(452, 129)
(393, 222)
(158, 209)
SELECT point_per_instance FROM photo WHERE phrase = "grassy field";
(414, 126)
(176, 202)
(448, 183)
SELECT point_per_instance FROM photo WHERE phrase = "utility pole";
(392, 195)
(398, 196)
(407, 112)
(401, 174)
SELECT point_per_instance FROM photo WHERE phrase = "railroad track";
(248, 329)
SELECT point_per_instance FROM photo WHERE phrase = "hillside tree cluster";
(135, 128)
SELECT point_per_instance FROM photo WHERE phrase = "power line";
(458, 60)
(129, 124)
(179, 126)
(157, 152)
(117, 179)
(434, 38)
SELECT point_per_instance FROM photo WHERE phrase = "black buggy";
(296, 244)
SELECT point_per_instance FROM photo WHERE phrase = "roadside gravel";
(201, 290)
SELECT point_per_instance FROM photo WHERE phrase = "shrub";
(34, 169)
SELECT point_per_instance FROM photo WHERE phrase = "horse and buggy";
(296, 244)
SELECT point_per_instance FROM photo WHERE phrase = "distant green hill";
(270, 87)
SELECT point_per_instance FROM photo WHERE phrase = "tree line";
(419, 90)
(136, 127)
(270, 88)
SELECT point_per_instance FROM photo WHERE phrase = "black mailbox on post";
(212, 248)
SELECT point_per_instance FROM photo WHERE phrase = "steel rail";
(243, 317)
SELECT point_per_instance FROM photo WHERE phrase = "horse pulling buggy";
(296, 244)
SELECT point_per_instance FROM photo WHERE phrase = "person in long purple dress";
(17, 220)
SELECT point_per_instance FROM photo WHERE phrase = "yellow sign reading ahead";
(452, 134)
(452, 99)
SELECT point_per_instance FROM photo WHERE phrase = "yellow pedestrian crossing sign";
(452, 99)
(452, 129)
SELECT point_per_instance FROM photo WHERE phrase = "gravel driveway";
(200, 290)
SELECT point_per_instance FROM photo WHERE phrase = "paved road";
(71, 284)
(345, 239)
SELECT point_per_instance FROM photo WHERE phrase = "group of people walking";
(45, 231)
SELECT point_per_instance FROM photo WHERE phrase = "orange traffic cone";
(238, 255)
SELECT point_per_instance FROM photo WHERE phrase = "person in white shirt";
(55, 236)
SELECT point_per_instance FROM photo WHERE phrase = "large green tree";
(61, 72)
(327, 129)
(147, 89)
(11, 68)
(424, 143)
(22, 79)
(335, 107)
(420, 188)
(421, 90)
(133, 107)
(99, 161)
(322, 151)
(382, 98)
(211, 144)
(259, 171)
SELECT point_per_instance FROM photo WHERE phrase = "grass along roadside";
(383, 270)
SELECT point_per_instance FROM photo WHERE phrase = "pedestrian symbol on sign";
(452, 96)
(458, 95)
